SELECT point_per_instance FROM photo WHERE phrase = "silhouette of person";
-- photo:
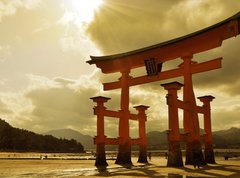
(166, 155)
(149, 156)
(196, 161)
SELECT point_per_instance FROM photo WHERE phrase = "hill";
(14, 139)
(221, 139)
(86, 140)
(157, 140)
(227, 138)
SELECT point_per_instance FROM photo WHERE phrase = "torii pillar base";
(101, 156)
(193, 152)
(209, 154)
(142, 157)
(174, 154)
(124, 154)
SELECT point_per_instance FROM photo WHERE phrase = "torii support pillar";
(208, 150)
(124, 149)
(174, 149)
(190, 115)
(100, 139)
(142, 118)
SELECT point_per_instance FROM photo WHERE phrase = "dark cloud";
(59, 103)
(122, 25)
(228, 75)
(226, 118)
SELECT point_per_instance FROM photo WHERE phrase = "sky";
(45, 82)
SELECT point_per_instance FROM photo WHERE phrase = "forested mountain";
(14, 139)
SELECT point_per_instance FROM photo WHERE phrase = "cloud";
(4, 109)
(33, 41)
(5, 52)
(74, 40)
(226, 118)
(58, 105)
(8, 8)
(121, 26)
(226, 78)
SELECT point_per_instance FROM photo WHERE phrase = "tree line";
(14, 139)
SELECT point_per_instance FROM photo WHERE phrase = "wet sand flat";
(79, 168)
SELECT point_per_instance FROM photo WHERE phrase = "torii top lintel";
(203, 40)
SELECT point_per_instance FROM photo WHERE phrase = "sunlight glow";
(85, 9)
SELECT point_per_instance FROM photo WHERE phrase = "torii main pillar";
(124, 150)
(190, 115)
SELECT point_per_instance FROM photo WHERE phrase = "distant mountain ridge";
(227, 138)
(156, 139)
(221, 139)
(85, 140)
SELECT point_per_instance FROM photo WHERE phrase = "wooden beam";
(195, 68)
(111, 141)
(115, 141)
(135, 141)
(206, 66)
(118, 114)
(145, 79)
(134, 116)
(109, 113)
(200, 109)
(182, 105)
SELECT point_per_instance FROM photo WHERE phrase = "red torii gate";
(152, 57)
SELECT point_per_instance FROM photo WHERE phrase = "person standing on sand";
(196, 160)
(166, 155)
(149, 156)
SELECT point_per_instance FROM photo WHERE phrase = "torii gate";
(152, 58)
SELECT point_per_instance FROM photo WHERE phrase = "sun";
(85, 9)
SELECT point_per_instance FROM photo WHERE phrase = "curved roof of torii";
(196, 42)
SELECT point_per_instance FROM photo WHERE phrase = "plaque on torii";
(153, 58)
